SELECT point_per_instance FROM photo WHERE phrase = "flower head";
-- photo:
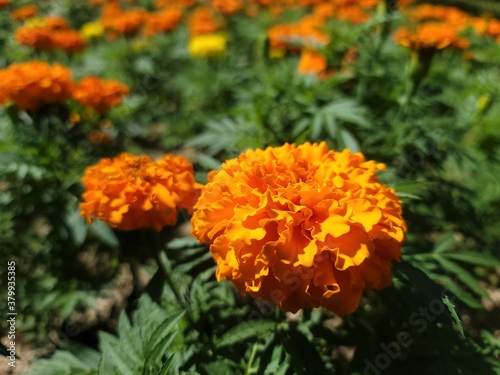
(130, 192)
(312, 63)
(206, 46)
(430, 36)
(203, 21)
(48, 34)
(98, 94)
(163, 21)
(301, 226)
(24, 12)
(33, 84)
(91, 30)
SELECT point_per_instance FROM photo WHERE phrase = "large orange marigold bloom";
(33, 84)
(98, 94)
(430, 36)
(131, 192)
(301, 226)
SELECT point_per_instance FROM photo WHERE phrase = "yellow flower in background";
(301, 226)
(208, 45)
(92, 30)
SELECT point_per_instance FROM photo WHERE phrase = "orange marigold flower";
(163, 21)
(430, 36)
(312, 63)
(56, 23)
(36, 37)
(68, 40)
(227, 6)
(31, 85)
(50, 33)
(24, 12)
(125, 22)
(178, 3)
(4, 3)
(203, 21)
(301, 226)
(452, 16)
(295, 36)
(130, 192)
(98, 94)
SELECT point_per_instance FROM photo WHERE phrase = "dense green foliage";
(441, 146)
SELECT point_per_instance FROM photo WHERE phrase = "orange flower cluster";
(174, 3)
(203, 21)
(33, 84)
(4, 3)
(451, 16)
(117, 21)
(304, 34)
(430, 36)
(163, 21)
(120, 22)
(131, 192)
(24, 12)
(301, 226)
(51, 33)
(98, 94)
(227, 6)
(313, 63)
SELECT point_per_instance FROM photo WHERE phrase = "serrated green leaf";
(464, 296)
(349, 141)
(116, 358)
(104, 233)
(317, 124)
(475, 258)
(166, 366)
(304, 357)
(462, 274)
(451, 309)
(444, 244)
(245, 331)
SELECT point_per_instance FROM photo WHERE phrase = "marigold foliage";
(33, 84)
(131, 192)
(301, 226)
(98, 94)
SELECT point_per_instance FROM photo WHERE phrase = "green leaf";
(349, 141)
(104, 233)
(451, 309)
(464, 296)
(166, 366)
(246, 330)
(475, 258)
(444, 244)
(304, 357)
(116, 356)
(462, 274)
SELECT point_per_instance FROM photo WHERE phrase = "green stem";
(249, 369)
(164, 263)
